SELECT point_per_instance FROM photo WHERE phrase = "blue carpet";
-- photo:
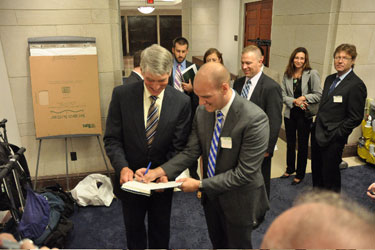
(103, 227)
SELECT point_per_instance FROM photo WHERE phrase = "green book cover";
(189, 73)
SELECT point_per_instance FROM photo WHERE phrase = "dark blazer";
(267, 95)
(125, 139)
(133, 77)
(238, 182)
(193, 98)
(336, 120)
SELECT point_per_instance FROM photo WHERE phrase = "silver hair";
(156, 60)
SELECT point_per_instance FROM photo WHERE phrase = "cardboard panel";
(65, 95)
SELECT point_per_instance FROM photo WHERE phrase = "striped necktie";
(152, 121)
(178, 78)
(246, 89)
(214, 144)
(333, 85)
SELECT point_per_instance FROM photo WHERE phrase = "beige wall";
(20, 20)
(320, 26)
(200, 23)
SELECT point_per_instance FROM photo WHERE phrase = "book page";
(145, 189)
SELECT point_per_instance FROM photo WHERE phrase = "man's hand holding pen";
(147, 176)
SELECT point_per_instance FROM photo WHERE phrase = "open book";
(189, 73)
(137, 187)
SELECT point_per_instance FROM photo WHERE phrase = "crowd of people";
(159, 120)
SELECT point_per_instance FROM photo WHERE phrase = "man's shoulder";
(248, 110)
(266, 79)
(177, 95)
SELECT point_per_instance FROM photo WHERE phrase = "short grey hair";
(156, 60)
(254, 49)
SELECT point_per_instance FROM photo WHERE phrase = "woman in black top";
(301, 88)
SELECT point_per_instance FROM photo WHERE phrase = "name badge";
(337, 99)
(226, 142)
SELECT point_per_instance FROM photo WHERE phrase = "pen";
(148, 167)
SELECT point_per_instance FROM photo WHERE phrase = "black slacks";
(297, 126)
(325, 164)
(266, 172)
(224, 235)
(158, 208)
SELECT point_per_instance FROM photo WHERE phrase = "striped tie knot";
(152, 121)
(214, 144)
(246, 89)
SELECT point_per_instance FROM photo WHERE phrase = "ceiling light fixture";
(146, 9)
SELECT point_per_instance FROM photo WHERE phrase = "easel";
(66, 157)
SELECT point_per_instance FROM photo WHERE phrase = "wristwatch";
(200, 187)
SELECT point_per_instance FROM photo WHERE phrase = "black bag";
(65, 196)
(58, 237)
(312, 108)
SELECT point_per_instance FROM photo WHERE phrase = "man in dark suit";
(147, 122)
(231, 134)
(266, 93)
(340, 111)
(136, 74)
(179, 50)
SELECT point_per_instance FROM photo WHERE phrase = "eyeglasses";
(338, 58)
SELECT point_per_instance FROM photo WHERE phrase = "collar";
(141, 76)
(226, 108)
(175, 63)
(147, 93)
(254, 80)
(344, 75)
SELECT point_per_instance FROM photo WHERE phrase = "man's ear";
(173, 50)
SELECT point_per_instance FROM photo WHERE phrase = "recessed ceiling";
(159, 4)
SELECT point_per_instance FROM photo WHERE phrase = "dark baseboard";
(349, 149)
(74, 179)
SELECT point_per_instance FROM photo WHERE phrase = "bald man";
(232, 135)
(322, 221)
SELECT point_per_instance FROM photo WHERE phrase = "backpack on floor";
(69, 202)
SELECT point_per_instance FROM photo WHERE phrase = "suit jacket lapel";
(257, 91)
(304, 82)
(164, 117)
(139, 120)
(209, 128)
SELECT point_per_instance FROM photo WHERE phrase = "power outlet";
(73, 156)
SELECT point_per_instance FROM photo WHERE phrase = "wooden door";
(258, 21)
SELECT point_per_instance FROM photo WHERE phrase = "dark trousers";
(297, 127)
(222, 233)
(266, 172)
(325, 162)
(158, 208)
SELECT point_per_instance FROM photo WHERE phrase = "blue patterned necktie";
(214, 145)
(333, 85)
(152, 121)
(246, 89)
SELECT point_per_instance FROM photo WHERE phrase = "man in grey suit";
(340, 111)
(260, 89)
(231, 134)
(148, 123)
